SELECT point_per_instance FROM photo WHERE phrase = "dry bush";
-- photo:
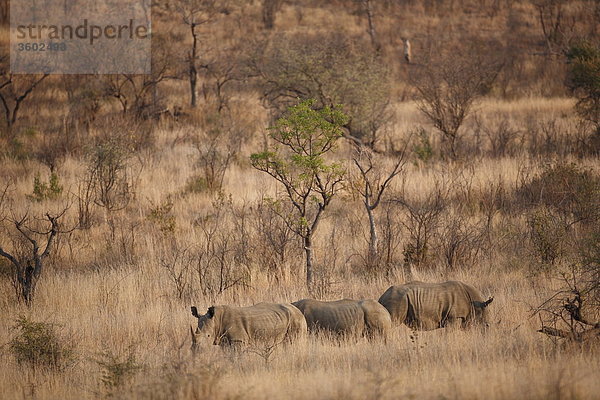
(135, 277)
(162, 216)
(178, 261)
(85, 99)
(502, 136)
(223, 255)
(552, 137)
(109, 175)
(390, 243)
(561, 22)
(275, 243)
(121, 237)
(137, 94)
(326, 271)
(422, 220)
(584, 74)
(52, 149)
(217, 145)
(548, 234)
(41, 344)
(269, 12)
(461, 241)
(183, 378)
(332, 70)
(447, 86)
(568, 189)
(117, 370)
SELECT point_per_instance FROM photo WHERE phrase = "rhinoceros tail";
(487, 302)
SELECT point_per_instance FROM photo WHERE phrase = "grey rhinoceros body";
(427, 306)
(260, 323)
(349, 317)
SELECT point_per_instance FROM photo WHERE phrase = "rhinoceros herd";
(419, 305)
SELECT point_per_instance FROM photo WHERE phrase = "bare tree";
(446, 88)
(422, 220)
(28, 260)
(221, 70)
(135, 93)
(371, 186)
(14, 90)
(195, 13)
(557, 26)
(368, 9)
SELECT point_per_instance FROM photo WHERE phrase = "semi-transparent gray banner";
(80, 36)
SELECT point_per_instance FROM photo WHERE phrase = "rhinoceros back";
(260, 322)
(341, 316)
(428, 306)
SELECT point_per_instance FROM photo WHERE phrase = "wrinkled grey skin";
(261, 323)
(427, 306)
(346, 317)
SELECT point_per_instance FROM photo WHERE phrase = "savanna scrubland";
(148, 205)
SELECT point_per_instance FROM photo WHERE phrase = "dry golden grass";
(114, 310)
(110, 292)
(103, 302)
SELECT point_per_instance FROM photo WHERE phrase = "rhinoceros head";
(480, 308)
(206, 325)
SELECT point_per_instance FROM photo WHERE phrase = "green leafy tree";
(297, 161)
(584, 80)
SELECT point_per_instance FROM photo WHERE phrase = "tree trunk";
(309, 263)
(193, 84)
(372, 31)
(28, 284)
(269, 10)
(374, 240)
(193, 68)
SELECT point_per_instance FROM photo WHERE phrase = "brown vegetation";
(170, 212)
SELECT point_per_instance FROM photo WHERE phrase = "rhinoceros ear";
(211, 312)
(488, 302)
(195, 312)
